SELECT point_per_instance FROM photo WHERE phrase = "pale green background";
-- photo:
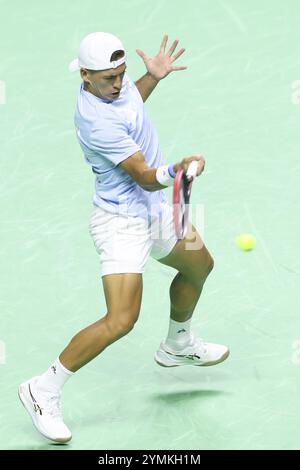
(235, 105)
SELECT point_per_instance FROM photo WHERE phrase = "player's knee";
(202, 270)
(121, 324)
(126, 325)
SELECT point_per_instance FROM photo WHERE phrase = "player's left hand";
(162, 64)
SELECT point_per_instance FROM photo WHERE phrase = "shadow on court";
(171, 398)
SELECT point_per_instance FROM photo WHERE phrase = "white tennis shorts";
(124, 243)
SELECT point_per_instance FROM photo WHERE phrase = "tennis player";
(130, 221)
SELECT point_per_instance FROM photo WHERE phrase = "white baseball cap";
(95, 52)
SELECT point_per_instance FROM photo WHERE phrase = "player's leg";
(123, 244)
(41, 395)
(123, 294)
(193, 262)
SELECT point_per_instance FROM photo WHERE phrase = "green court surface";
(238, 103)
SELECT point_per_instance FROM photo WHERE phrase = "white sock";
(54, 378)
(179, 333)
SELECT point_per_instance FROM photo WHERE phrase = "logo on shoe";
(54, 369)
(189, 356)
(181, 331)
(36, 407)
(193, 356)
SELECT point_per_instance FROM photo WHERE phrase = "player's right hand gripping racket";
(181, 197)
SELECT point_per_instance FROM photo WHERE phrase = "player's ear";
(84, 73)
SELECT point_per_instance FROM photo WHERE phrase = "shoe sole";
(158, 360)
(29, 411)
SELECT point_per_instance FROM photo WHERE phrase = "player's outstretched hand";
(162, 64)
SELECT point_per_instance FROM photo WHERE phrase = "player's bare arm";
(146, 176)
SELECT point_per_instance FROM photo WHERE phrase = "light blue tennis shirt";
(109, 132)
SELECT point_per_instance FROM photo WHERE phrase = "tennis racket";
(181, 197)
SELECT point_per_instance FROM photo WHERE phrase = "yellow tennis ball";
(246, 241)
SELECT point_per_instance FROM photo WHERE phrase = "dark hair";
(117, 55)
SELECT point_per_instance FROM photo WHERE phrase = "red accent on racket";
(181, 197)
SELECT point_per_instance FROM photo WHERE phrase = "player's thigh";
(123, 295)
(190, 256)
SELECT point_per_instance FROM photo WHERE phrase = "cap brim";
(74, 66)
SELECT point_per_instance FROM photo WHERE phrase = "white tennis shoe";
(45, 411)
(195, 353)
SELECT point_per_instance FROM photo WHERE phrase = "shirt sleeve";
(110, 139)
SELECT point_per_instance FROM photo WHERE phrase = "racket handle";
(192, 169)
